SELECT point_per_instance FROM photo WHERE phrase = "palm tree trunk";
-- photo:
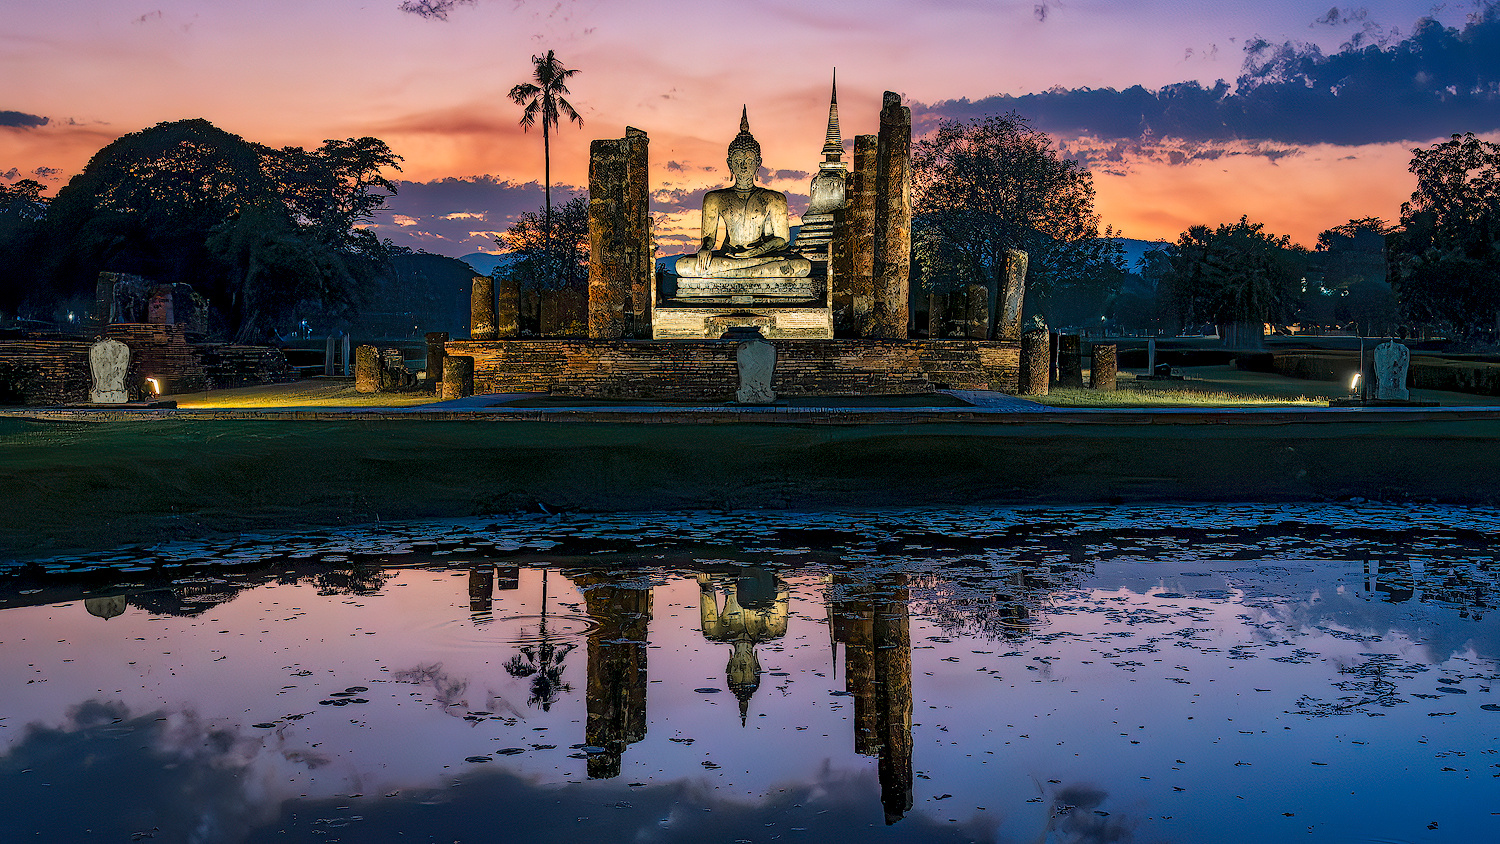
(547, 191)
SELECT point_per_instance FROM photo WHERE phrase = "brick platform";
(705, 370)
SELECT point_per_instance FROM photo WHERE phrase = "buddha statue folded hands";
(754, 259)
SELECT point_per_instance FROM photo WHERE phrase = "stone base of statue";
(678, 319)
(746, 289)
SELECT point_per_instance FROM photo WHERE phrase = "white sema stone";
(1391, 362)
(108, 362)
(757, 364)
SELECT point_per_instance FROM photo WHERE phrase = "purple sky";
(297, 72)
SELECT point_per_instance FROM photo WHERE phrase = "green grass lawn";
(1226, 386)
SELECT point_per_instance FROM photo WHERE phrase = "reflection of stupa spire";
(754, 611)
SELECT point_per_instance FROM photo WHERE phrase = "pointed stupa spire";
(833, 143)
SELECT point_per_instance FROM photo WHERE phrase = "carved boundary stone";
(1392, 360)
(109, 361)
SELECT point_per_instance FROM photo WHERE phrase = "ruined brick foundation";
(705, 370)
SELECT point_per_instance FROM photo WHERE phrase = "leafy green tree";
(984, 186)
(553, 258)
(1347, 278)
(262, 234)
(543, 98)
(1237, 275)
(1446, 253)
(22, 208)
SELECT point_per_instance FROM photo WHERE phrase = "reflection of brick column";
(893, 221)
(893, 678)
(481, 589)
(616, 696)
(874, 628)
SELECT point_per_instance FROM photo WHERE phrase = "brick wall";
(37, 371)
(705, 370)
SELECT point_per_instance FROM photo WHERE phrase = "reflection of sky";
(1257, 674)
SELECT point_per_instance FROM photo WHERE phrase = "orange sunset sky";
(79, 73)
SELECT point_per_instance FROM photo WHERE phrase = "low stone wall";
(705, 370)
(44, 371)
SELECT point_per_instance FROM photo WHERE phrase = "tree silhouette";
(544, 97)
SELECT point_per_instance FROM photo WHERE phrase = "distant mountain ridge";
(485, 263)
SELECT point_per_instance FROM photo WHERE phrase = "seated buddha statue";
(756, 235)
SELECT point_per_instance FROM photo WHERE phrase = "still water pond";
(1144, 674)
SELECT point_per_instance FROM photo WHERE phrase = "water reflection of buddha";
(871, 620)
(754, 611)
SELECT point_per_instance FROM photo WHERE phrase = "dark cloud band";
(1434, 83)
(21, 120)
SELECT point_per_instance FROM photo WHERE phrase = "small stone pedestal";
(1069, 361)
(458, 378)
(366, 369)
(1036, 363)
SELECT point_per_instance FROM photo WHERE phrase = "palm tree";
(544, 96)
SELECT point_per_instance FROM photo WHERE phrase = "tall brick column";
(892, 221)
(619, 236)
(852, 270)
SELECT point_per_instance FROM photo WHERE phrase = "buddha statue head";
(744, 154)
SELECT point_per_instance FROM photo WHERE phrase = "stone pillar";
(436, 351)
(366, 369)
(892, 220)
(104, 298)
(330, 350)
(481, 309)
(1036, 363)
(620, 259)
(1012, 293)
(854, 241)
(507, 308)
(1103, 367)
(937, 316)
(639, 252)
(977, 321)
(1070, 361)
(458, 377)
